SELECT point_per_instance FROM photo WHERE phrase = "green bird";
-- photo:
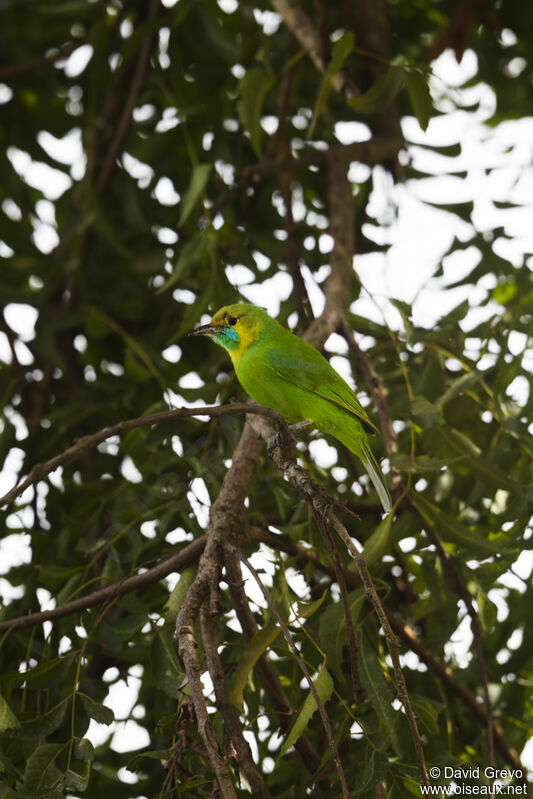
(280, 370)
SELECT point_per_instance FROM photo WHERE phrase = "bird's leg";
(294, 429)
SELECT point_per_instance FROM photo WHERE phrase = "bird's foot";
(274, 443)
(294, 430)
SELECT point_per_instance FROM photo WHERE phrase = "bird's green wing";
(307, 369)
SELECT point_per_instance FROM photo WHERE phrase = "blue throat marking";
(228, 338)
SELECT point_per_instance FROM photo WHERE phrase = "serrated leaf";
(96, 711)
(324, 689)
(458, 386)
(478, 463)
(134, 765)
(451, 530)
(52, 672)
(420, 406)
(381, 93)
(405, 311)
(167, 669)
(198, 182)
(378, 689)
(418, 90)
(175, 600)
(379, 541)
(192, 255)
(45, 724)
(332, 633)
(427, 715)
(252, 89)
(376, 768)
(251, 653)
(8, 720)
(41, 774)
(421, 463)
(78, 780)
(84, 750)
(339, 53)
(306, 609)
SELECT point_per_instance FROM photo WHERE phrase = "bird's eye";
(232, 320)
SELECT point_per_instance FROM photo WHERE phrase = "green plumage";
(280, 370)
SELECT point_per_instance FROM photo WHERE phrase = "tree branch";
(227, 516)
(302, 29)
(463, 592)
(92, 440)
(126, 116)
(227, 711)
(322, 503)
(292, 646)
(264, 666)
(444, 673)
(174, 563)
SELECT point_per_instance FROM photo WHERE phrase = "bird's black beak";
(206, 330)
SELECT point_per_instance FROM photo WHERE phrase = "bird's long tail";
(376, 475)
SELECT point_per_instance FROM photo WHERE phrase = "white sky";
(418, 236)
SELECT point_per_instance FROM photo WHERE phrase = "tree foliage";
(160, 161)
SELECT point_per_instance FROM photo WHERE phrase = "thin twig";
(225, 707)
(226, 517)
(334, 557)
(292, 646)
(301, 27)
(40, 471)
(264, 666)
(174, 563)
(392, 645)
(127, 110)
(14, 71)
(445, 673)
(463, 592)
(279, 541)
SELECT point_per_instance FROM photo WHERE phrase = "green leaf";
(379, 541)
(193, 254)
(251, 653)
(405, 312)
(324, 689)
(307, 609)
(378, 689)
(199, 178)
(45, 724)
(451, 530)
(339, 53)
(96, 711)
(84, 750)
(477, 462)
(332, 633)
(253, 87)
(41, 773)
(175, 601)
(8, 720)
(427, 715)
(459, 386)
(167, 669)
(78, 780)
(49, 673)
(376, 768)
(381, 93)
(135, 764)
(422, 463)
(417, 87)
